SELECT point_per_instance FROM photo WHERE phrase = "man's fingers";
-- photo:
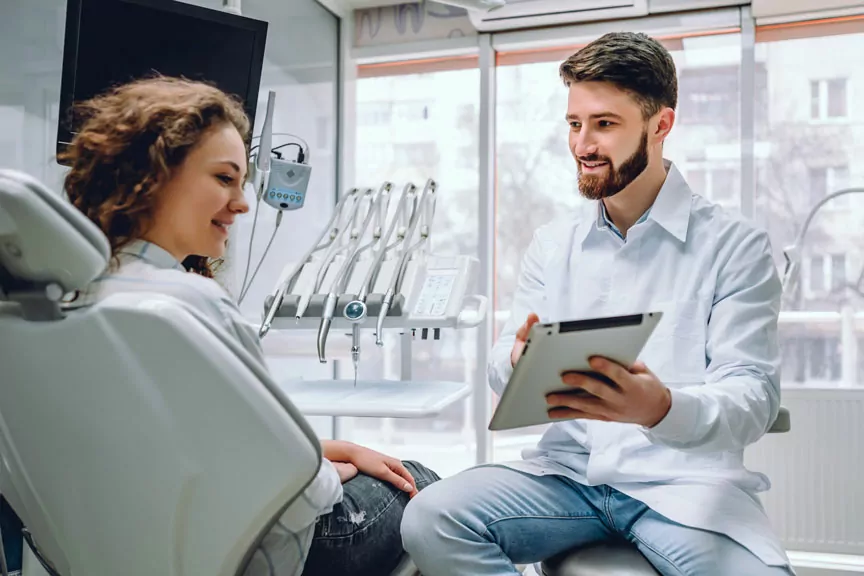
(611, 370)
(590, 385)
(569, 414)
(525, 329)
(578, 402)
(639, 367)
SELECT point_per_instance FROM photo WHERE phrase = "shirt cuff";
(499, 373)
(680, 422)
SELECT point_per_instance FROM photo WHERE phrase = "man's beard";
(597, 187)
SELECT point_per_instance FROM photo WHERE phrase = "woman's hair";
(130, 139)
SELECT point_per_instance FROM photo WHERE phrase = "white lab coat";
(712, 274)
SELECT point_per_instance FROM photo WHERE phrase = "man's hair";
(634, 62)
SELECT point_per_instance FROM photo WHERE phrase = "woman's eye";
(225, 178)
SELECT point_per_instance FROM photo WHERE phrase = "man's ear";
(662, 125)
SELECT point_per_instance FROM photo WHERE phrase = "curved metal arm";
(336, 247)
(341, 280)
(792, 253)
(399, 271)
(375, 267)
(279, 294)
(381, 203)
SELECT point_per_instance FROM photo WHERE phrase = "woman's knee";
(422, 475)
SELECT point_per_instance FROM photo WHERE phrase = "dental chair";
(134, 438)
(620, 558)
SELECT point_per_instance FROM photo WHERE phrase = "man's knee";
(421, 517)
(440, 510)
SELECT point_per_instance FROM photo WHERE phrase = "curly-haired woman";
(159, 165)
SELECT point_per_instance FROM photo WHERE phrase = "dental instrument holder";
(427, 292)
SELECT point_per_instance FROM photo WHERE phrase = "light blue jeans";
(482, 521)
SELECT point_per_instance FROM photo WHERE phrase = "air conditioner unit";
(365, 4)
(791, 10)
(539, 13)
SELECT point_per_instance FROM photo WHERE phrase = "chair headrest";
(45, 240)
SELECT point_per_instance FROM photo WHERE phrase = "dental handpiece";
(355, 314)
(291, 279)
(369, 280)
(341, 279)
(403, 261)
(333, 251)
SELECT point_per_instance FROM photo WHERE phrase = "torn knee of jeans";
(355, 518)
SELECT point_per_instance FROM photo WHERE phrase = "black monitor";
(111, 42)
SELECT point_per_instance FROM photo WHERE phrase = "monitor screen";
(110, 42)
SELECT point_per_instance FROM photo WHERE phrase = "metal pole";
(486, 246)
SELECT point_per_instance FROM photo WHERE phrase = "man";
(657, 461)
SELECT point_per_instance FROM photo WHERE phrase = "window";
(827, 180)
(827, 273)
(838, 272)
(417, 154)
(808, 136)
(411, 111)
(817, 274)
(709, 96)
(723, 184)
(828, 98)
(717, 183)
(374, 113)
(375, 156)
(425, 138)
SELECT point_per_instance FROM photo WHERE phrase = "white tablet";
(555, 349)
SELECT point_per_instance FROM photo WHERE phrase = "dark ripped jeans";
(362, 537)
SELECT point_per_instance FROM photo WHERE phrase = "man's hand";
(638, 396)
(370, 463)
(522, 338)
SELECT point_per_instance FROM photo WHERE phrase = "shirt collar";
(150, 253)
(671, 208)
(603, 220)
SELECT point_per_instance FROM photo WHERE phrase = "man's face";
(608, 138)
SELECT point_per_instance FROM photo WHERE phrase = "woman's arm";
(371, 463)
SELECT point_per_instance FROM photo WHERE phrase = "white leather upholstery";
(45, 239)
(607, 559)
(134, 438)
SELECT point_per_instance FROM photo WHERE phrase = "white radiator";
(816, 502)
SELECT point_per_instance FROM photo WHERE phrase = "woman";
(159, 165)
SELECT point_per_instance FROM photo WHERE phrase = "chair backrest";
(134, 437)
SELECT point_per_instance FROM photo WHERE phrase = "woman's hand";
(371, 463)
(345, 470)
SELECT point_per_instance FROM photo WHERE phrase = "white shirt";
(712, 275)
(144, 266)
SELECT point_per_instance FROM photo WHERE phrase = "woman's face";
(198, 203)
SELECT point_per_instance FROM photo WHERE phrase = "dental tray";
(374, 398)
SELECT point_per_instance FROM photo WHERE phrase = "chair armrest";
(783, 423)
